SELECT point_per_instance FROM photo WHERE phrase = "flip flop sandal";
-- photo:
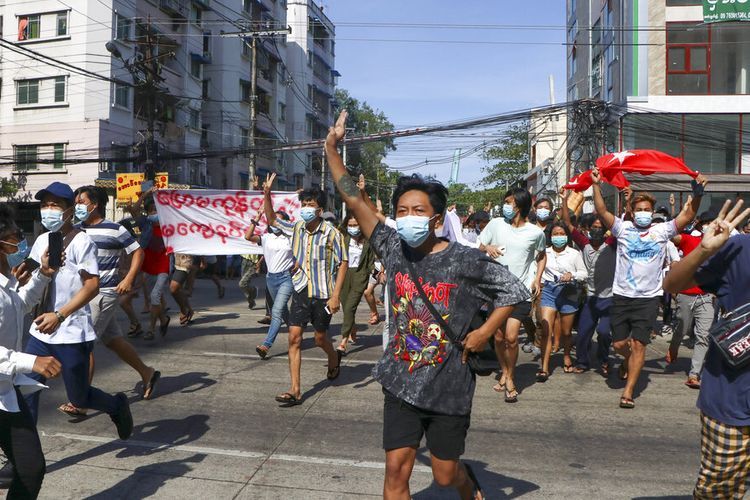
(374, 320)
(288, 399)
(498, 387)
(693, 383)
(473, 477)
(627, 403)
(511, 396)
(186, 319)
(148, 336)
(163, 328)
(542, 376)
(605, 369)
(568, 369)
(262, 351)
(135, 330)
(333, 373)
(72, 411)
(148, 389)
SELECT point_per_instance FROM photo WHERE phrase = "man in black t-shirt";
(427, 384)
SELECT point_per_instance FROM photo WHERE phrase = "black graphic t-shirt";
(421, 365)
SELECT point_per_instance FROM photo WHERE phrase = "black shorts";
(179, 276)
(305, 310)
(405, 424)
(634, 318)
(521, 311)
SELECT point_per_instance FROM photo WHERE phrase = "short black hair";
(561, 225)
(586, 220)
(539, 201)
(313, 194)
(97, 195)
(282, 214)
(7, 219)
(434, 189)
(522, 198)
(481, 216)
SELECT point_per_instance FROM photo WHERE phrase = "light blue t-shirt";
(522, 244)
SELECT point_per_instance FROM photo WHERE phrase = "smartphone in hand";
(55, 249)
(31, 264)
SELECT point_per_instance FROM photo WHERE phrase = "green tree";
(368, 158)
(464, 197)
(508, 161)
(8, 188)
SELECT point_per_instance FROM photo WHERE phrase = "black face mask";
(596, 236)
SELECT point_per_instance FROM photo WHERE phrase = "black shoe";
(265, 321)
(6, 475)
(122, 418)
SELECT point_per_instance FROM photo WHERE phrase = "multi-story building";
(52, 114)
(312, 79)
(547, 152)
(673, 82)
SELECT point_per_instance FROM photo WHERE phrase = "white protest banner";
(212, 222)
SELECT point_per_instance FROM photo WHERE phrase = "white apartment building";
(312, 80)
(51, 115)
(674, 83)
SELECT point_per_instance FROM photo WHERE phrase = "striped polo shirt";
(319, 253)
(110, 239)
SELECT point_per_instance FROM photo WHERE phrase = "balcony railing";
(177, 7)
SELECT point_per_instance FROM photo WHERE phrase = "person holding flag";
(637, 289)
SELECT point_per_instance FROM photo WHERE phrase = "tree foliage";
(464, 197)
(8, 188)
(509, 160)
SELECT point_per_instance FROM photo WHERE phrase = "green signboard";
(715, 11)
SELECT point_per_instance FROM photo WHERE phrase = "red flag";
(641, 161)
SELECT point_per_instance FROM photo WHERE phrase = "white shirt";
(569, 260)
(14, 305)
(355, 253)
(522, 244)
(452, 230)
(641, 254)
(277, 251)
(80, 257)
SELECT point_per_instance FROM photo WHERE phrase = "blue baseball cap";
(59, 189)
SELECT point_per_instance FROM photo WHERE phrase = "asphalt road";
(213, 429)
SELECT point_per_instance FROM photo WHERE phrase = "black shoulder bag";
(731, 334)
(479, 364)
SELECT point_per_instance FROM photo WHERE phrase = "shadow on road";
(184, 383)
(146, 480)
(494, 485)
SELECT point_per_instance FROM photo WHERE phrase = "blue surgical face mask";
(82, 212)
(308, 213)
(542, 214)
(509, 211)
(559, 241)
(15, 259)
(413, 229)
(353, 231)
(153, 218)
(52, 219)
(643, 218)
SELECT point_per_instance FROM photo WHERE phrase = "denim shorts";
(563, 298)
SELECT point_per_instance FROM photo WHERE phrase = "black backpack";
(731, 334)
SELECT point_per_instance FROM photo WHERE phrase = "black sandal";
(164, 326)
(473, 477)
(542, 376)
(511, 395)
(148, 389)
(288, 399)
(334, 372)
(135, 330)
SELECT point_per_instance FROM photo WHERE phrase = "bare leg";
(370, 298)
(548, 318)
(322, 341)
(566, 337)
(511, 351)
(128, 354)
(398, 466)
(179, 296)
(295, 359)
(452, 473)
(635, 364)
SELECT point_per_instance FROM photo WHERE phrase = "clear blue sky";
(425, 83)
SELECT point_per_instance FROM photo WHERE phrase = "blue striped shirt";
(318, 253)
(110, 239)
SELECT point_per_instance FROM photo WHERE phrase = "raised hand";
(595, 177)
(337, 132)
(672, 200)
(268, 184)
(716, 234)
(361, 182)
(255, 182)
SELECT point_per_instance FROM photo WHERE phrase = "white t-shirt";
(277, 250)
(569, 260)
(80, 256)
(522, 244)
(355, 253)
(641, 255)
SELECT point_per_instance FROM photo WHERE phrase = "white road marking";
(278, 357)
(361, 464)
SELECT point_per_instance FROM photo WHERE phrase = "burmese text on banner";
(212, 222)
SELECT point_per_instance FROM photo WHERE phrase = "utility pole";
(254, 35)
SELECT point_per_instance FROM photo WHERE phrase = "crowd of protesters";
(543, 274)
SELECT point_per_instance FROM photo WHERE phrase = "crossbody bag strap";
(438, 317)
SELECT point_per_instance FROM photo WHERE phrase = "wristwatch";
(254, 222)
(60, 316)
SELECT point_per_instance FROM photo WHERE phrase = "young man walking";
(427, 385)
(322, 259)
(65, 330)
(637, 289)
(721, 265)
